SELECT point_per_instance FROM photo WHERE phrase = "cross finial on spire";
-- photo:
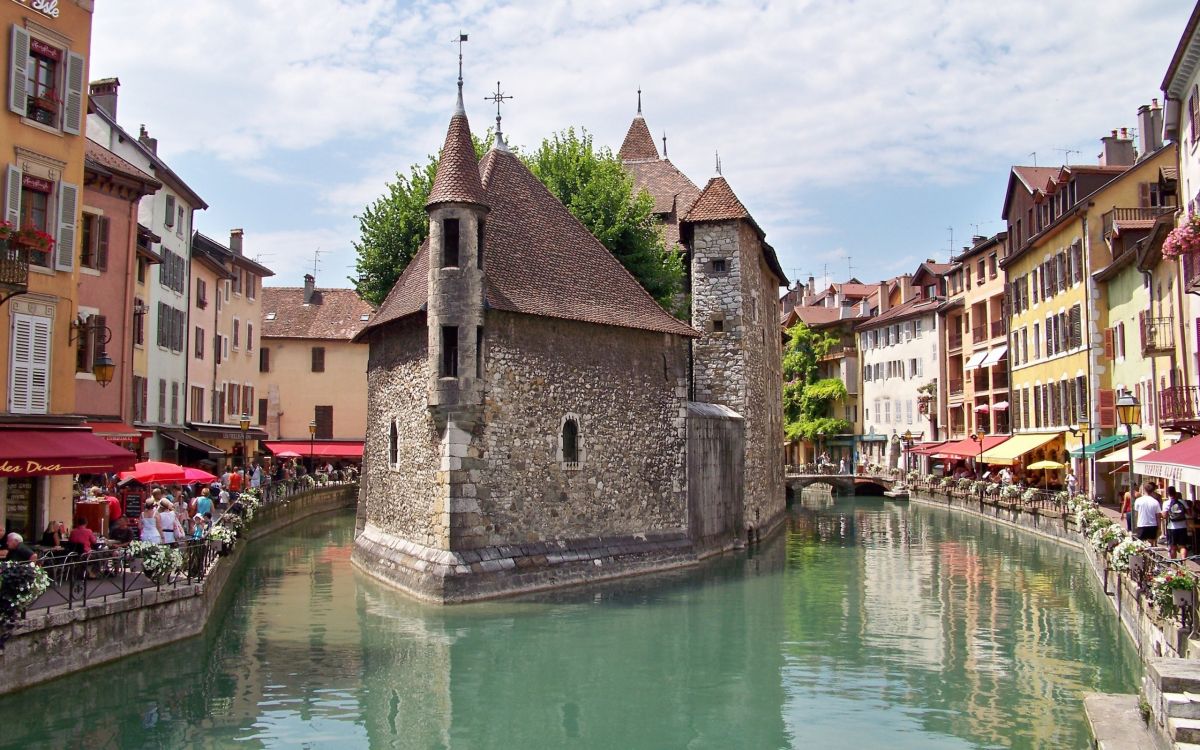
(498, 98)
(718, 154)
(664, 144)
(639, 100)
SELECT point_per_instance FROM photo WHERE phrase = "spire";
(717, 203)
(638, 144)
(639, 114)
(499, 98)
(457, 179)
(460, 109)
(664, 144)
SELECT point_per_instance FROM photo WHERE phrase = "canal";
(870, 623)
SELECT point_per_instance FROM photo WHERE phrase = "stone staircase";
(1172, 688)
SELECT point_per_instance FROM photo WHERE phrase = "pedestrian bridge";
(844, 484)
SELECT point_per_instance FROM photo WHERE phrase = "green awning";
(873, 438)
(1103, 445)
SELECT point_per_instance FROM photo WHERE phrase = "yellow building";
(1061, 357)
(42, 142)
(312, 371)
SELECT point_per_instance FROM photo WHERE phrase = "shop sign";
(31, 468)
(45, 7)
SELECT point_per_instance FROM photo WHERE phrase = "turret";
(457, 226)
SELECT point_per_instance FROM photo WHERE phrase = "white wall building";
(161, 397)
(899, 352)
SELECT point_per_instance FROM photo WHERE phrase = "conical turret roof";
(717, 202)
(457, 179)
(638, 144)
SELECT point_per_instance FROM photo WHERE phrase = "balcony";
(978, 333)
(956, 386)
(954, 340)
(1157, 334)
(1133, 218)
(1179, 404)
(999, 377)
(998, 328)
(14, 269)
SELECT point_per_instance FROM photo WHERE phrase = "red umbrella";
(198, 475)
(154, 471)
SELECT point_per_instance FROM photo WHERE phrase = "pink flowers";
(1183, 239)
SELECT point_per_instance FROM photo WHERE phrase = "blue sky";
(849, 128)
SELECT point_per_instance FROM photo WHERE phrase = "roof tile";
(638, 144)
(717, 203)
(333, 314)
(457, 179)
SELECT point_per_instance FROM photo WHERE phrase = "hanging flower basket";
(1183, 239)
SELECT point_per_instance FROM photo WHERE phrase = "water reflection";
(869, 622)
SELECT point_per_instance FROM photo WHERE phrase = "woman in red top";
(1127, 511)
(82, 535)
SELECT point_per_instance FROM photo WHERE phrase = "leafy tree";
(589, 182)
(806, 398)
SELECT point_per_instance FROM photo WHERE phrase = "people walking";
(1147, 510)
(168, 522)
(148, 521)
(1175, 510)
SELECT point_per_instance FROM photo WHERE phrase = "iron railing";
(1156, 333)
(1179, 403)
(998, 328)
(14, 267)
(955, 386)
(954, 340)
(978, 333)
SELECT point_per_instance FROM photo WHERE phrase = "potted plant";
(159, 561)
(222, 537)
(1183, 239)
(1164, 588)
(1125, 551)
(21, 583)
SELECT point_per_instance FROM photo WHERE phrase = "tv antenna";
(317, 260)
(1066, 152)
(1034, 155)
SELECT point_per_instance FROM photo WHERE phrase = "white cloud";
(819, 95)
(289, 253)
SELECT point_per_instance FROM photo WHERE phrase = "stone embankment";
(51, 644)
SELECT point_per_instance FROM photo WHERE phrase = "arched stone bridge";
(845, 484)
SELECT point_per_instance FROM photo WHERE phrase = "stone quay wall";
(46, 646)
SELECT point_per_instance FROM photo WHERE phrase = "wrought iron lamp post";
(85, 330)
(1129, 411)
(312, 435)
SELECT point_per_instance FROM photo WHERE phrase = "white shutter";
(12, 195)
(68, 215)
(73, 111)
(39, 369)
(20, 368)
(18, 95)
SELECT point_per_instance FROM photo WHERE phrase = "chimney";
(1117, 151)
(103, 94)
(150, 143)
(1149, 118)
(310, 282)
(235, 241)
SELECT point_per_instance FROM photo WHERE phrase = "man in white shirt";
(1147, 510)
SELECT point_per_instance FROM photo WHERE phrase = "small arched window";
(393, 445)
(570, 441)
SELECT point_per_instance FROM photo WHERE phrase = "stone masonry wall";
(402, 499)
(627, 389)
(718, 361)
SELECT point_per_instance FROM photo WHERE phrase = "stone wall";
(402, 498)
(46, 646)
(740, 366)
(716, 450)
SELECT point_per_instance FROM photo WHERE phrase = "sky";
(863, 135)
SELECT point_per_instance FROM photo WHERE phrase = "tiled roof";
(717, 203)
(1035, 177)
(638, 144)
(670, 188)
(539, 260)
(334, 313)
(99, 155)
(457, 179)
(817, 315)
(916, 306)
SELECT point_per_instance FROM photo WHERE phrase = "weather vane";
(498, 98)
(461, 38)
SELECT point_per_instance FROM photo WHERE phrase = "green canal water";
(868, 624)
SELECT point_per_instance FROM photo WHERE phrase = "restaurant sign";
(45, 7)
(31, 468)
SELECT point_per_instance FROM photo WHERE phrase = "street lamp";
(1129, 411)
(312, 435)
(244, 423)
(908, 445)
(1080, 430)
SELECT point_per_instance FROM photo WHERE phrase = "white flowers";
(1124, 551)
(222, 533)
(158, 560)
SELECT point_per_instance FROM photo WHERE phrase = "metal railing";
(998, 328)
(1157, 333)
(1029, 499)
(978, 333)
(1149, 213)
(955, 386)
(1179, 403)
(14, 266)
(954, 340)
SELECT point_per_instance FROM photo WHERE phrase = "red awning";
(320, 448)
(41, 452)
(968, 448)
(1178, 463)
(117, 432)
(927, 448)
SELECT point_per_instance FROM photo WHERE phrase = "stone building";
(529, 418)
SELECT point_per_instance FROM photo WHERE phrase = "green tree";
(807, 399)
(589, 182)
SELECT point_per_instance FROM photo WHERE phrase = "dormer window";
(449, 243)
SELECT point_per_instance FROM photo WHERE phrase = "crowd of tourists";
(1169, 521)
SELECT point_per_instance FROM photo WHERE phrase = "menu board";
(133, 504)
(18, 507)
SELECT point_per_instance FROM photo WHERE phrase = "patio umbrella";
(154, 471)
(288, 454)
(198, 475)
(1045, 465)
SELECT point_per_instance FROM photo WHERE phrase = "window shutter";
(20, 370)
(1107, 402)
(101, 323)
(18, 96)
(68, 216)
(1144, 194)
(1076, 327)
(1109, 344)
(264, 359)
(73, 112)
(12, 196)
(102, 243)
